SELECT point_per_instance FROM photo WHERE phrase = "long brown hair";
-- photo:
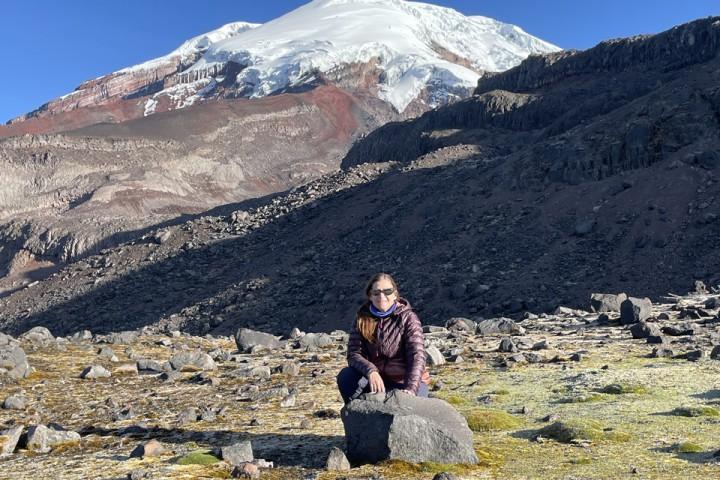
(367, 323)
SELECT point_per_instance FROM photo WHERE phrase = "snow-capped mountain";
(404, 53)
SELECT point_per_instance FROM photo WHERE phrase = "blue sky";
(50, 46)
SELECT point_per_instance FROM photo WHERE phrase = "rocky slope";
(237, 113)
(69, 195)
(490, 219)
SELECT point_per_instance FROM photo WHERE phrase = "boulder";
(238, 453)
(41, 439)
(606, 302)
(192, 361)
(499, 326)
(153, 448)
(38, 336)
(9, 439)
(644, 330)
(13, 360)
(405, 427)
(15, 402)
(337, 461)
(315, 341)
(125, 338)
(95, 371)
(507, 346)
(459, 324)
(633, 310)
(246, 339)
(680, 329)
(434, 356)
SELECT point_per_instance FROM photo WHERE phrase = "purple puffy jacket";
(398, 354)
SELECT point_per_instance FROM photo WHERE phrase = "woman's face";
(383, 294)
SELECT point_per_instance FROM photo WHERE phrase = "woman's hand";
(376, 383)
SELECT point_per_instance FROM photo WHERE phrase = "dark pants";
(348, 383)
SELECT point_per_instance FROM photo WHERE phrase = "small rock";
(95, 371)
(507, 345)
(106, 352)
(434, 357)
(655, 339)
(246, 470)
(10, 439)
(715, 354)
(15, 402)
(189, 415)
(694, 355)
(288, 401)
(238, 453)
(662, 353)
(291, 368)
(444, 476)
(153, 448)
(337, 461)
(644, 330)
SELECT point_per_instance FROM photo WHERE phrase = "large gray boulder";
(41, 439)
(192, 361)
(13, 361)
(315, 341)
(606, 302)
(405, 427)
(634, 310)
(246, 339)
(38, 336)
(9, 439)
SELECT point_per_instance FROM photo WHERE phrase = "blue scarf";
(380, 313)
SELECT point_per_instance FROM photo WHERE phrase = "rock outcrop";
(405, 427)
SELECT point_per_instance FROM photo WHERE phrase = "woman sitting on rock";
(386, 349)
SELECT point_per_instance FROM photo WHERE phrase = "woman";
(386, 349)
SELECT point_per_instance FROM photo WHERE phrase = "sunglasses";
(386, 291)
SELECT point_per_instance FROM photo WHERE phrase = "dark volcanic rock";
(633, 310)
(644, 330)
(499, 326)
(406, 427)
(606, 302)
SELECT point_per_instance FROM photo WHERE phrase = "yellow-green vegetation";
(581, 461)
(689, 447)
(622, 388)
(582, 429)
(483, 420)
(198, 457)
(501, 391)
(411, 470)
(697, 411)
(456, 400)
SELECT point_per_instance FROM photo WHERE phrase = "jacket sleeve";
(355, 357)
(414, 352)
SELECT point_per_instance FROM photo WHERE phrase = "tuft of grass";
(689, 447)
(623, 388)
(501, 391)
(411, 470)
(482, 420)
(198, 457)
(456, 400)
(697, 411)
(582, 429)
(581, 461)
